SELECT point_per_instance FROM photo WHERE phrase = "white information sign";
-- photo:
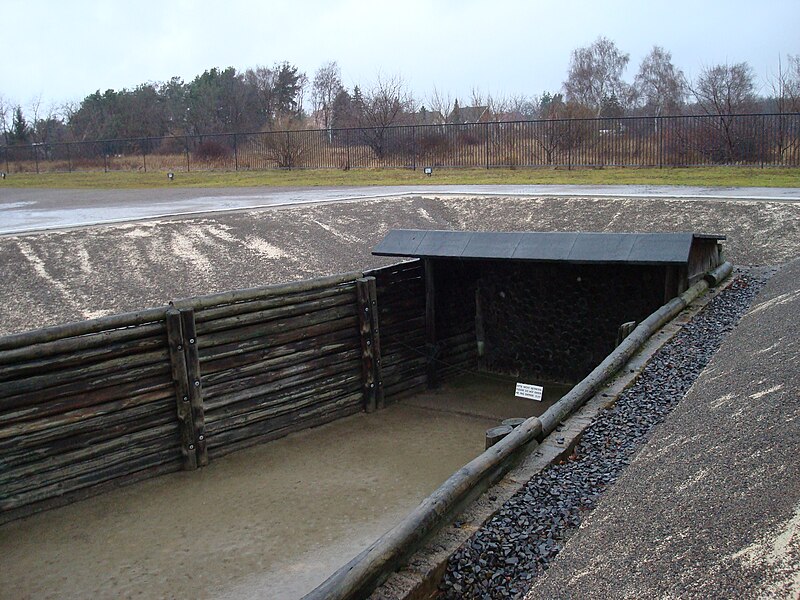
(532, 392)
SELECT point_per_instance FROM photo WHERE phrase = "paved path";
(24, 210)
(711, 506)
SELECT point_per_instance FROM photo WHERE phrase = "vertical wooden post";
(194, 384)
(181, 382)
(480, 334)
(370, 343)
(376, 343)
(430, 323)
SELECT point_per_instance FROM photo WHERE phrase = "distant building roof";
(573, 247)
(427, 117)
(467, 114)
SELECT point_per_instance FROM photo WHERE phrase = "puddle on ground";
(271, 521)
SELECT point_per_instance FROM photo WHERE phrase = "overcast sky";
(63, 50)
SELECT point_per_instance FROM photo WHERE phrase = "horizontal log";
(80, 357)
(29, 449)
(274, 383)
(403, 290)
(107, 473)
(81, 328)
(307, 321)
(32, 508)
(294, 421)
(274, 411)
(273, 314)
(233, 361)
(146, 390)
(146, 363)
(229, 310)
(14, 395)
(393, 363)
(76, 421)
(269, 365)
(329, 364)
(84, 342)
(291, 426)
(85, 461)
(400, 267)
(348, 381)
(258, 293)
(256, 344)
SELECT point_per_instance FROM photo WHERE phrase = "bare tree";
(441, 103)
(723, 91)
(595, 73)
(326, 86)
(785, 86)
(659, 86)
(385, 104)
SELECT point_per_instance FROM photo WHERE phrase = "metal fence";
(748, 139)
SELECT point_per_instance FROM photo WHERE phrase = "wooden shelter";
(546, 305)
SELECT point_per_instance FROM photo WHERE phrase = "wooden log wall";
(278, 363)
(85, 407)
(401, 303)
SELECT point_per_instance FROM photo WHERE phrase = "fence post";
(366, 294)
(186, 147)
(569, 144)
(69, 158)
(36, 156)
(144, 157)
(5, 151)
(414, 148)
(347, 143)
(660, 124)
(235, 154)
(486, 142)
(288, 151)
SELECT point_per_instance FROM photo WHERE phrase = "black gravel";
(503, 557)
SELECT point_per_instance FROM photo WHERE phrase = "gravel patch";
(502, 559)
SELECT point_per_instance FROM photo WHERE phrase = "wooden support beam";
(180, 380)
(430, 323)
(370, 343)
(195, 384)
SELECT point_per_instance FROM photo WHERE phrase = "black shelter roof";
(572, 247)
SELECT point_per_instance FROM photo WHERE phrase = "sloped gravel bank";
(503, 558)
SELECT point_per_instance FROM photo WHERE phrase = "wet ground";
(36, 209)
(69, 275)
(272, 521)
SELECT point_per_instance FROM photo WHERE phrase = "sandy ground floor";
(272, 521)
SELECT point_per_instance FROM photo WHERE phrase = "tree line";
(282, 97)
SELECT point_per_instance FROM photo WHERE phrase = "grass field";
(699, 176)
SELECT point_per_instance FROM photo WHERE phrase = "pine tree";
(20, 131)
